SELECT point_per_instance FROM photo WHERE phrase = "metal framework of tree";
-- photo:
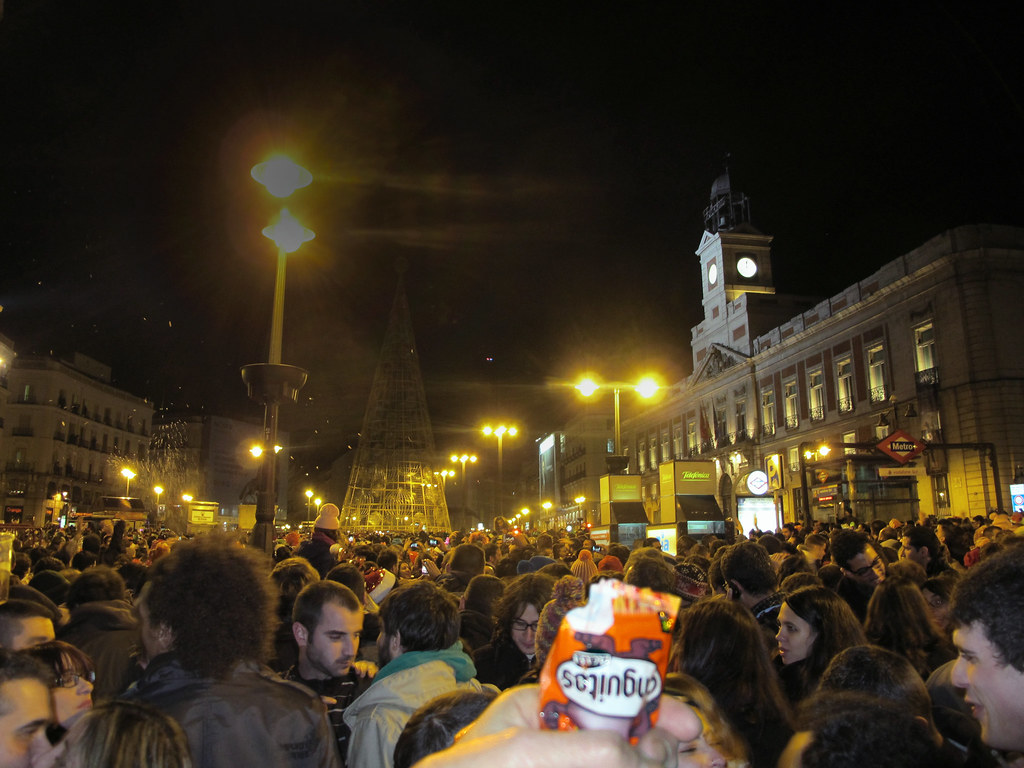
(393, 484)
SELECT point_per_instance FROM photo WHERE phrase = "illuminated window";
(849, 437)
(768, 411)
(691, 436)
(741, 420)
(876, 373)
(844, 385)
(793, 457)
(816, 395)
(924, 345)
(791, 404)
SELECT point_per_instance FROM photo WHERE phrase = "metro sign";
(900, 446)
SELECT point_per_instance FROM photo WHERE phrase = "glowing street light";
(499, 432)
(281, 176)
(186, 497)
(158, 490)
(309, 499)
(646, 387)
(471, 458)
(127, 474)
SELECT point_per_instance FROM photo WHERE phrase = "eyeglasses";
(71, 680)
(867, 568)
(521, 626)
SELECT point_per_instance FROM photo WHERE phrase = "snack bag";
(606, 666)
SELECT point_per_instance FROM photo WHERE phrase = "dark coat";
(108, 633)
(250, 718)
(500, 665)
(317, 549)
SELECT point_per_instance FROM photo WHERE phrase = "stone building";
(65, 427)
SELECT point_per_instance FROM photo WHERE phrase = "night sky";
(542, 167)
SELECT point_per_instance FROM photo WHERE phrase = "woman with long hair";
(722, 646)
(508, 656)
(898, 619)
(126, 734)
(718, 744)
(814, 625)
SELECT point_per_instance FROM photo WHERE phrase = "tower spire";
(392, 485)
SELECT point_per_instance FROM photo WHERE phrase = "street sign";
(900, 446)
(898, 471)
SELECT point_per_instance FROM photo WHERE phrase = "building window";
(665, 455)
(844, 385)
(653, 444)
(816, 395)
(924, 343)
(940, 490)
(677, 438)
(610, 446)
(876, 374)
(691, 436)
(849, 437)
(791, 404)
(721, 428)
(768, 412)
(741, 420)
(793, 456)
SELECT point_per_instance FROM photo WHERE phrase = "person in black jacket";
(207, 620)
(510, 653)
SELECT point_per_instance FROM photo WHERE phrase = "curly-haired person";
(207, 617)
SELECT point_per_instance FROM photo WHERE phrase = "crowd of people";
(898, 644)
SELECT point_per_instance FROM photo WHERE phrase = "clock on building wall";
(746, 266)
(712, 273)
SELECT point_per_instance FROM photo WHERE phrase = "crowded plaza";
(898, 644)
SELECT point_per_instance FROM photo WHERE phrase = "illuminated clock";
(712, 273)
(746, 266)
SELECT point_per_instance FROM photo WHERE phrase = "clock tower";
(735, 264)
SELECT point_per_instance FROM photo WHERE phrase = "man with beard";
(421, 657)
(327, 621)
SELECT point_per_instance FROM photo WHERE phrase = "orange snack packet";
(606, 666)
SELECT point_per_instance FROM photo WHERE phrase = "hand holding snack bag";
(606, 666)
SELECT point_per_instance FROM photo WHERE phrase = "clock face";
(713, 273)
(746, 267)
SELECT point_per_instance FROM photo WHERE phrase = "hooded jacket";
(402, 686)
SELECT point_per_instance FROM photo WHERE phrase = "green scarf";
(454, 657)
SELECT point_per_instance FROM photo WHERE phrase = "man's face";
(25, 722)
(331, 648)
(866, 568)
(908, 551)
(30, 631)
(389, 647)
(993, 689)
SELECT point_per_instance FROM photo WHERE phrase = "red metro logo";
(901, 446)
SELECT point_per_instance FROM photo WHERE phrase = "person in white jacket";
(420, 657)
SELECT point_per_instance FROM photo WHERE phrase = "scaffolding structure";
(394, 485)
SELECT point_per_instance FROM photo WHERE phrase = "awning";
(629, 512)
(698, 508)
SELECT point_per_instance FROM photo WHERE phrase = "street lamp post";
(127, 474)
(309, 499)
(272, 383)
(805, 452)
(462, 478)
(646, 388)
(500, 432)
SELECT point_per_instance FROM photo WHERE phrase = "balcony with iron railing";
(845, 405)
(792, 422)
(23, 431)
(927, 378)
(768, 429)
(817, 412)
(877, 394)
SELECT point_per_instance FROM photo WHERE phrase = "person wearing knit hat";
(691, 583)
(532, 565)
(584, 568)
(610, 563)
(569, 592)
(321, 548)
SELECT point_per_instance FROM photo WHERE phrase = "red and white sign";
(901, 446)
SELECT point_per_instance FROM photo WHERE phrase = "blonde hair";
(722, 735)
(125, 734)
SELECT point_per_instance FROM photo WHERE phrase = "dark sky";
(542, 166)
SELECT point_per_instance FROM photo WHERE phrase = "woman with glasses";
(70, 690)
(510, 653)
